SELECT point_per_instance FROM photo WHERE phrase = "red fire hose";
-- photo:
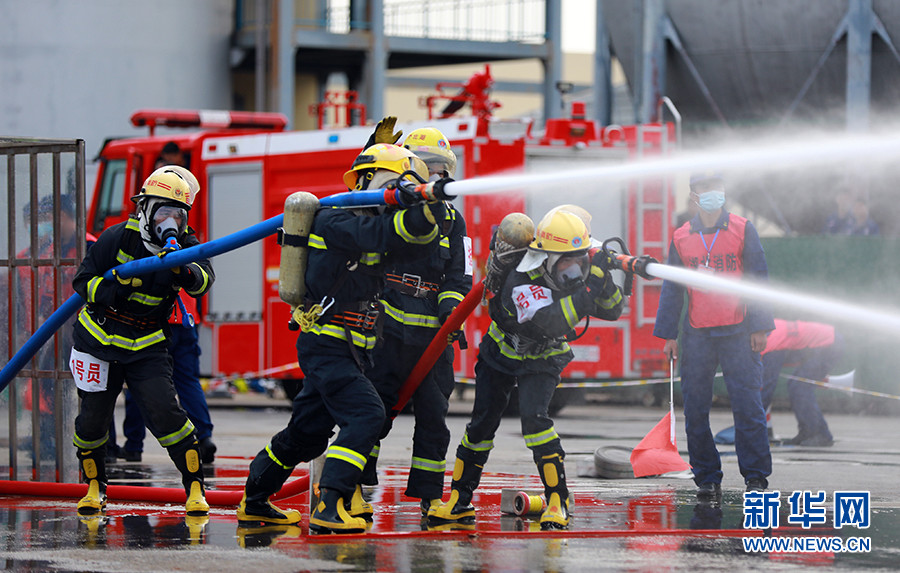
(141, 493)
(437, 346)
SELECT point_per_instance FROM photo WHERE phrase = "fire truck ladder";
(654, 206)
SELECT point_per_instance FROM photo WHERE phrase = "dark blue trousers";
(701, 355)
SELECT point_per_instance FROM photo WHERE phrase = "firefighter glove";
(183, 275)
(166, 250)
(434, 211)
(384, 131)
(599, 282)
(133, 282)
(602, 259)
(406, 193)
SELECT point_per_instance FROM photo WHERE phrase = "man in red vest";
(719, 330)
(813, 348)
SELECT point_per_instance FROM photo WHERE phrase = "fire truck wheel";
(613, 462)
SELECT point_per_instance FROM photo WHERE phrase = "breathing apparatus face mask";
(570, 270)
(168, 221)
(711, 201)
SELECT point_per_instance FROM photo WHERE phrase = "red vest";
(798, 334)
(707, 309)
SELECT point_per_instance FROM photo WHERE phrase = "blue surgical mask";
(711, 201)
(45, 229)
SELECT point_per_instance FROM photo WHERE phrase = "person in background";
(718, 329)
(813, 348)
(840, 222)
(121, 336)
(171, 154)
(861, 224)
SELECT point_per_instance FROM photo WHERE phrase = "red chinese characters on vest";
(725, 254)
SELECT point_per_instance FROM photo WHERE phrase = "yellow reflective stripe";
(479, 447)
(610, 301)
(370, 258)
(532, 440)
(275, 459)
(197, 268)
(133, 225)
(92, 286)
(506, 350)
(316, 242)
(347, 455)
(375, 451)
(359, 339)
(114, 339)
(123, 257)
(535, 273)
(445, 242)
(568, 309)
(411, 319)
(145, 298)
(404, 234)
(458, 296)
(175, 437)
(85, 445)
(439, 466)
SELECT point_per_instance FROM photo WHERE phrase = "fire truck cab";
(247, 165)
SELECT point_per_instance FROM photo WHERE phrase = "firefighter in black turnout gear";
(418, 298)
(348, 251)
(121, 335)
(555, 286)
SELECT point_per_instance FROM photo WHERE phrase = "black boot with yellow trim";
(265, 478)
(331, 516)
(553, 476)
(466, 476)
(93, 470)
(358, 506)
(186, 455)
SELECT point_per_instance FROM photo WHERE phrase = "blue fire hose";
(176, 259)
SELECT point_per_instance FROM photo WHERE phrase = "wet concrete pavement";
(647, 524)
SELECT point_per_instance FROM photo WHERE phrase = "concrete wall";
(80, 69)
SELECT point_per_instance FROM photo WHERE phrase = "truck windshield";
(112, 190)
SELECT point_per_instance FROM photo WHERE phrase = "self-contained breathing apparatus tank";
(299, 212)
(508, 245)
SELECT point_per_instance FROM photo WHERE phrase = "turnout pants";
(185, 351)
(148, 376)
(431, 437)
(335, 393)
(495, 376)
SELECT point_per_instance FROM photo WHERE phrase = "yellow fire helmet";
(430, 145)
(559, 232)
(170, 183)
(384, 156)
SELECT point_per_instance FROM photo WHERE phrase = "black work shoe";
(264, 513)
(207, 450)
(817, 441)
(129, 456)
(757, 484)
(709, 491)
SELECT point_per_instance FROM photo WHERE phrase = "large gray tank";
(755, 55)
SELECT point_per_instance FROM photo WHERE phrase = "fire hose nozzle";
(436, 190)
(635, 265)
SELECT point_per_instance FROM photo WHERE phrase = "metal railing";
(465, 20)
(42, 192)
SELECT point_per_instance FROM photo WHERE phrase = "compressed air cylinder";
(515, 233)
(299, 212)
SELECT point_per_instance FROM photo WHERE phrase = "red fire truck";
(247, 165)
